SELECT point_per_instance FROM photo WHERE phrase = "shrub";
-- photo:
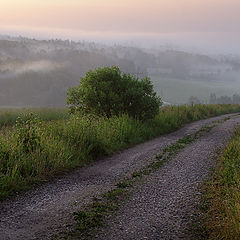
(107, 91)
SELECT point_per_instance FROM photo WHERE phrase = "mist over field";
(189, 49)
(39, 72)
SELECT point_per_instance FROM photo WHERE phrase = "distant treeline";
(235, 99)
(213, 99)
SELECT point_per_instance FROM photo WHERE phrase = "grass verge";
(221, 201)
(35, 150)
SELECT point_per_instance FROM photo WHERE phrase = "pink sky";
(72, 18)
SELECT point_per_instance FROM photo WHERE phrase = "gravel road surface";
(165, 206)
(159, 210)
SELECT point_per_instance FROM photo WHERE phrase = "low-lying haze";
(39, 72)
(189, 48)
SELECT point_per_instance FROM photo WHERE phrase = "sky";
(212, 24)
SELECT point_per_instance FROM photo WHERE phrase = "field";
(179, 90)
(222, 195)
(8, 116)
(47, 142)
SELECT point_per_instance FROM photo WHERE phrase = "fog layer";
(39, 72)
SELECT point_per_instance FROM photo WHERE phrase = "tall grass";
(8, 116)
(35, 150)
(223, 195)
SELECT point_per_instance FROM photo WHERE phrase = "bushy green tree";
(107, 91)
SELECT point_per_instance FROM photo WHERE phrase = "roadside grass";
(221, 201)
(35, 150)
(8, 116)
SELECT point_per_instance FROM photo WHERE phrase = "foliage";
(107, 91)
(222, 195)
(28, 133)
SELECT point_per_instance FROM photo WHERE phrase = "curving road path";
(167, 204)
(161, 208)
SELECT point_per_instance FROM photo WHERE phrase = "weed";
(92, 217)
(136, 174)
(221, 198)
(28, 133)
(123, 184)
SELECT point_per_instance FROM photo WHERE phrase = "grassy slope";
(222, 196)
(33, 151)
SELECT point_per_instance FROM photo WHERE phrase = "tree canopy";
(107, 91)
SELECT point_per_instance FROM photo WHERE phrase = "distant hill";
(39, 72)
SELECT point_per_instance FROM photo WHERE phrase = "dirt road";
(161, 208)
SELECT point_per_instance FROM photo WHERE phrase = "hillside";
(38, 72)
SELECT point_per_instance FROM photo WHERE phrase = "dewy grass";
(89, 219)
(221, 202)
(65, 144)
